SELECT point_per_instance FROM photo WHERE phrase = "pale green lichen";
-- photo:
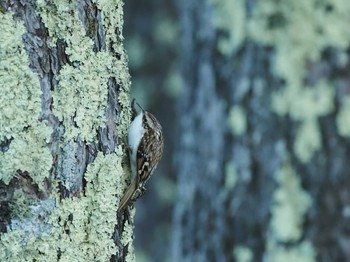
(20, 107)
(230, 175)
(82, 228)
(279, 24)
(94, 216)
(27, 152)
(230, 17)
(343, 118)
(304, 252)
(20, 87)
(237, 120)
(112, 17)
(307, 141)
(291, 203)
(124, 116)
(81, 95)
(243, 254)
(305, 105)
(127, 239)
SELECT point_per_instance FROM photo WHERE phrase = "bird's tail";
(127, 196)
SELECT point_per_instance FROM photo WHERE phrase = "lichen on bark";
(63, 132)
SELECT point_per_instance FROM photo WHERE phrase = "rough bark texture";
(75, 50)
(261, 162)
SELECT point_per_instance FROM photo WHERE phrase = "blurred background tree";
(152, 41)
(261, 111)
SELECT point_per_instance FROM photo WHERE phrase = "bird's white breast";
(136, 132)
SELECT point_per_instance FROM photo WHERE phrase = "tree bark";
(263, 136)
(64, 117)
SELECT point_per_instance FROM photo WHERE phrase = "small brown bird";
(146, 144)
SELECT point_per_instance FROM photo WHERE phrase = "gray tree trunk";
(262, 162)
(64, 114)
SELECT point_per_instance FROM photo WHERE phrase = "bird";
(146, 143)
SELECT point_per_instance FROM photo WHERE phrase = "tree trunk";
(64, 114)
(263, 171)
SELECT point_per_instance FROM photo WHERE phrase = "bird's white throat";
(135, 135)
